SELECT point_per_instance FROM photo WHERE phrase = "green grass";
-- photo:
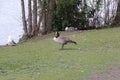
(41, 59)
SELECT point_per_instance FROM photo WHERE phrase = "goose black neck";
(57, 34)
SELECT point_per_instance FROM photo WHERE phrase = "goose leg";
(62, 47)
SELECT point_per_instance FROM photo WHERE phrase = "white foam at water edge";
(10, 20)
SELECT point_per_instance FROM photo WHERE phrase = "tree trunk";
(35, 28)
(29, 18)
(24, 19)
(50, 12)
(40, 11)
(117, 18)
(42, 17)
(107, 12)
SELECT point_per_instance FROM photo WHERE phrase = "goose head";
(57, 34)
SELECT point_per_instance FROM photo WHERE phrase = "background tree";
(35, 28)
(110, 9)
(47, 15)
(117, 17)
(50, 13)
(24, 18)
(30, 18)
(31, 29)
(42, 14)
(66, 13)
(46, 11)
(99, 12)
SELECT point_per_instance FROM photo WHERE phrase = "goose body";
(62, 40)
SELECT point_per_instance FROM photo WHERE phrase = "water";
(10, 20)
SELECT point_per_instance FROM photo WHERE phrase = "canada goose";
(62, 40)
(11, 42)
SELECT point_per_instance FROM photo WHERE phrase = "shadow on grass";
(69, 49)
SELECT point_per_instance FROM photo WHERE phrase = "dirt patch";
(112, 74)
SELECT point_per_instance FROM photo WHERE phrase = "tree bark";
(29, 18)
(40, 11)
(117, 18)
(50, 12)
(35, 28)
(42, 17)
(24, 19)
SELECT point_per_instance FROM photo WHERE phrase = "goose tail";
(72, 42)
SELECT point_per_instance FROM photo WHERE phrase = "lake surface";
(10, 20)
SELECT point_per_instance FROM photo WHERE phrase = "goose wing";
(64, 38)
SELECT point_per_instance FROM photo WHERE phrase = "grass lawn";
(41, 59)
